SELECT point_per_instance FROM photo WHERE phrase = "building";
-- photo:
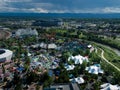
(70, 86)
(48, 23)
(5, 55)
(91, 48)
(48, 46)
(52, 46)
(5, 62)
(26, 32)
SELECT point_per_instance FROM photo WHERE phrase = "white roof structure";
(35, 46)
(29, 54)
(94, 69)
(89, 46)
(78, 59)
(5, 55)
(108, 86)
(78, 80)
(43, 45)
(69, 67)
(52, 46)
(28, 31)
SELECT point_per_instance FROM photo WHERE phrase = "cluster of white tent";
(78, 59)
(108, 86)
(94, 69)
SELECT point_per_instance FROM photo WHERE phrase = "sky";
(60, 6)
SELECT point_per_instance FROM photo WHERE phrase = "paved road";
(102, 56)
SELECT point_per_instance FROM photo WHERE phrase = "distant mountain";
(61, 15)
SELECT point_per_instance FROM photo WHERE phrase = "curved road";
(102, 56)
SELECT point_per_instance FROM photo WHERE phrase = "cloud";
(36, 10)
(2, 3)
(16, 1)
(60, 6)
(33, 10)
(111, 10)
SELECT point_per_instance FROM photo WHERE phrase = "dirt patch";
(4, 34)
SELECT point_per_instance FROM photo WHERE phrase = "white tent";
(78, 80)
(94, 69)
(89, 46)
(69, 67)
(78, 59)
(108, 86)
(52, 46)
(43, 45)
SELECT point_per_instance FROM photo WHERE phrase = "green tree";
(37, 87)
(19, 86)
(46, 79)
(3, 68)
(83, 66)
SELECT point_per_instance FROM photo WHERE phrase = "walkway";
(102, 56)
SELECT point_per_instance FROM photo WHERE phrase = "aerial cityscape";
(59, 45)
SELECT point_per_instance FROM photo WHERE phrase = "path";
(102, 56)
